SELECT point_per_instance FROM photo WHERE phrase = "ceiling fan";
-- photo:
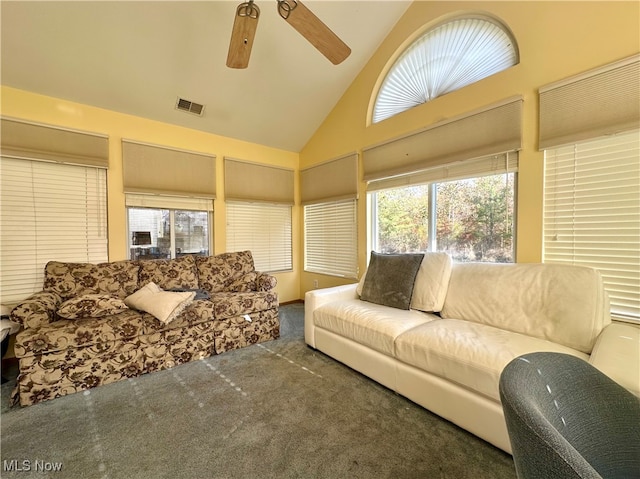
(298, 16)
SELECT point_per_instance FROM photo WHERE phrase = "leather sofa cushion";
(470, 354)
(369, 324)
(561, 303)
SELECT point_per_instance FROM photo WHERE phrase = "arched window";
(444, 59)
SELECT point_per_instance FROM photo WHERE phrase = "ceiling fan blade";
(314, 30)
(244, 30)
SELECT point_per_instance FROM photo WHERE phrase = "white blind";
(169, 202)
(265, 230)
(488, 165)
(330, 238)
(48, 212)
(592, 213)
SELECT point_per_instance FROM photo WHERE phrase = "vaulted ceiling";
(140, 57)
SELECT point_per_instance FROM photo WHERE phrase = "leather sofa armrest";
(38, 309)
(316, 298)
(617, 354)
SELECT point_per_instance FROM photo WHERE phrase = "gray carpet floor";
(274, 410)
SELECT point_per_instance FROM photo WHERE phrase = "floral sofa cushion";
(118, 279)
(169, 273)
(91, 306)
(228, 305)
(37, 310)
(217, 273)
(101, 333)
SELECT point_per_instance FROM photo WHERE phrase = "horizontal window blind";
(488, 165)
(596, 103)
(489, 131)
(49, 211)
(169, 202)
(265, 230)
(592, 213)
(330, 238)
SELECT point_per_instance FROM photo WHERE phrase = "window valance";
(331, 181)
(161, 170)
(33, 141)
(493, 130)
(248, 181)
(596, 103)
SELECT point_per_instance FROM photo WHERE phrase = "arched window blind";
(446, 58)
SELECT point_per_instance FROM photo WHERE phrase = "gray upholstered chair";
(566, 419)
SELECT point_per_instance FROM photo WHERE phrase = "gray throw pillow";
(390, 278)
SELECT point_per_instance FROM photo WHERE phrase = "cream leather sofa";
(466, 323)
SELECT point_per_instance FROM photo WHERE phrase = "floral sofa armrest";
(38, 309)
(265, 282)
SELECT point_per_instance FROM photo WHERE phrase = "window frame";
(172, 204)
(432, 240)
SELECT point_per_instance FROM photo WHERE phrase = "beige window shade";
(31, 141)
(330, 181)
(161, 170)
(247, 181)
(493, 130)
(594, 104)
(488, 165)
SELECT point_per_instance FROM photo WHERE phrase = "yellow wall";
(53, 111)
(556, 40)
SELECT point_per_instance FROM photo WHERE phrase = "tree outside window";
(474, 219)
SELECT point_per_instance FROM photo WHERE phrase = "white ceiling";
(139, 57)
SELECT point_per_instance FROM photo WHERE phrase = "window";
(444, 59)
(471, 219)
(330, 238)
(167, 227)
(50, 211)
(265, 230)
(592, 213)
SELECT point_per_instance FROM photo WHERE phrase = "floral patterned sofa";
(79, 333)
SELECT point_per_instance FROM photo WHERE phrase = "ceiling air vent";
(189, 106)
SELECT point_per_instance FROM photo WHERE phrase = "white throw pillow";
(164, 305)
(432, 282)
